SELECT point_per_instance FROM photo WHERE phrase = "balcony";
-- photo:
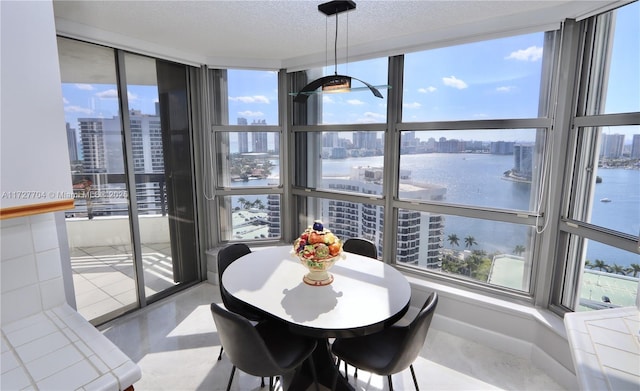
(102, 261)
(100, 244)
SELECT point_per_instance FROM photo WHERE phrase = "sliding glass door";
(129, 146)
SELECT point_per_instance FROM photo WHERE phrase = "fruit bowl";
(318, 249)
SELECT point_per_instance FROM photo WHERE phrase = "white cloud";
(113, 94)
(327, 99)
(84, 87)
(428, 89)
(532, 53)
(505, 89)
(413, 105)
(370, 114)
(249, 113)
(250, 99)
(454, 82)
(355, 102)
(108, 94)
(77, 109)
(65, 100)
(371, 117)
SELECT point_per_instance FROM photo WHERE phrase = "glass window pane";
(346, 161)
(493, 168)
(499, 78)
(250, 217)
(346, 219)
(253, 97)
(248, 159)
(486, 251)
(155, 178)
(610, 277)
(98, 228)
(614, 200)
(623, 94)
(359, 105)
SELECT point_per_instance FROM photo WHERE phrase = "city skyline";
(482, 80)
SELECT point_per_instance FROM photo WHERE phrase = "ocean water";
(477, 179)
(622, 187)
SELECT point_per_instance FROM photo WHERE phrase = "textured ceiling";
(294, 34)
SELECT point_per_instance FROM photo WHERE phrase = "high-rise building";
(420, 234)
(330, 139)
(146, 142)
(365, 140)
(502, 147)
(93, 145)
(450, 146)
(635, 147)
(523, 161)
(243, 137)
(102, 153)
(260, 139)
(612, 146)
(276, 143)
(72, 143)
(274, 216)
(409, 142)
(260, 142)
(243, 142)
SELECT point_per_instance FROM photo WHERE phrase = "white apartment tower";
(420, 234)
(635, 147)
(93, 145)
(612, 146)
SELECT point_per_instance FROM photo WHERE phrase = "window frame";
(592, 43)
(390, 198)
(217, 146)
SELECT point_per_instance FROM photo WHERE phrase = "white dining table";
(365, 296)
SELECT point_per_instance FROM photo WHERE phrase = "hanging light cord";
(347, 48)
(335, 48)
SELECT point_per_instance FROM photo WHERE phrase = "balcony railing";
(107, 195)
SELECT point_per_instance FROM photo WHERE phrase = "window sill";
(525, 331)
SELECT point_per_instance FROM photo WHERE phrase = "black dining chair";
(391, 350)
(365, 248)
(226, 257)
(361, 247)
(264, 349)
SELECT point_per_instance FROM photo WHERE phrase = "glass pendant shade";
(333, 83)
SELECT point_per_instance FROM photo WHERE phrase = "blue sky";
(490, 79)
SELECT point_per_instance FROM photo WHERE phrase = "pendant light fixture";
(335, 82)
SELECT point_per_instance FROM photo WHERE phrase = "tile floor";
(174, 341)
(103, 276)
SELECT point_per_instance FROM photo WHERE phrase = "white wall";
(31, 269)
(34, 157)
(33, 143)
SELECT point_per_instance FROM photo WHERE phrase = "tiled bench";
(57, 349)
(605, 348)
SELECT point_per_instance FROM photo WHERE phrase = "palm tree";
(588, 264)
(635, 269)
(469, 241)
(600, 265)
(617, 269)
(243, 202)
(519, 249)
(453, 240)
